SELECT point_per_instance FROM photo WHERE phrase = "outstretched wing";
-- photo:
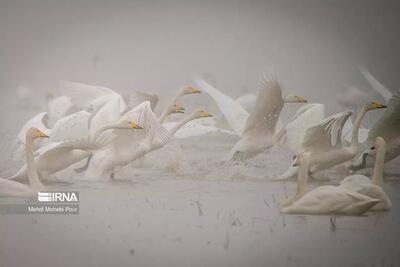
(57, 108)
(306, 117)
(327, 134)
(137, 98)
(388, 126)
(234, 113)
(268, 107)
(71, 127)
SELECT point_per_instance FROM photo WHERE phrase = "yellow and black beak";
(195, 90)
(377, 105)
(42, 135)
(135, 125)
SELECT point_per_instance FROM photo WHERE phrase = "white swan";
(126, 147)
(386, 127)
(14, 189)
(184, 91)
(57, 156)
(372, 188)
(234, 113)
(258, 130)
(328, 200)
(324, 145)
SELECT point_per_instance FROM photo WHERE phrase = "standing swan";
(14, 189)
(327, 199)
(372, 188)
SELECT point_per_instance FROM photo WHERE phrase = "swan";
(323, 142)
(184, 91)
(61, 154)
(327, 199)
(14, 189)
(260, 132)
(371, 187)
(235, 114)
(386, 127)
(127, 147)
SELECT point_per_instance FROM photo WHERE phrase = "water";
(197, 211)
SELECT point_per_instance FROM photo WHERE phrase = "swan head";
(374, 105)
(35, 133)
(176, 109)
(379, 144)
(299, 160)
(294, 99)
(190, 90)
(201, 114)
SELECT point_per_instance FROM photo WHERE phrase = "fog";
(198, 212)
(158, 46)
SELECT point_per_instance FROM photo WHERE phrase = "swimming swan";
(14, 189)
(328, 200)
(371, 187)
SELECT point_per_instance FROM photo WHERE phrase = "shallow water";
(197, 211)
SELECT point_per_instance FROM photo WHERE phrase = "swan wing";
(306, 117)
(137, 98)
(107, 112)
(327, 134)
(71, 127)
(83, 95)
(388, 126)
(269, 103)
(38, 121)
(234, 113)
(57, 108)
(145, 117)
(375, 84)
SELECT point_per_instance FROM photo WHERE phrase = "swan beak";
(377, 105)
(135, 125)
(206, 114)
(41, 134)
(195, 90)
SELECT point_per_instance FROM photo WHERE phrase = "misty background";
(314, 47)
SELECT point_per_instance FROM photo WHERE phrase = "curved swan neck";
(377, 176)
(31, 168)
(181, 123)
(165, 113)
(357, 125)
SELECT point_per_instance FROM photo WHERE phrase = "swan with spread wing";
(323, 142)
(258, 129)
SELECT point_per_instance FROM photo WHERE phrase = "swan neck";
(179, 124)
(377, 176)
(356, 126)
(165, 113)
(302, 179)
(31, 168)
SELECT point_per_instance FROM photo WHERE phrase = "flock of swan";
(100, 126)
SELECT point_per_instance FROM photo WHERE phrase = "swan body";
(372, 188)
(328, 200)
